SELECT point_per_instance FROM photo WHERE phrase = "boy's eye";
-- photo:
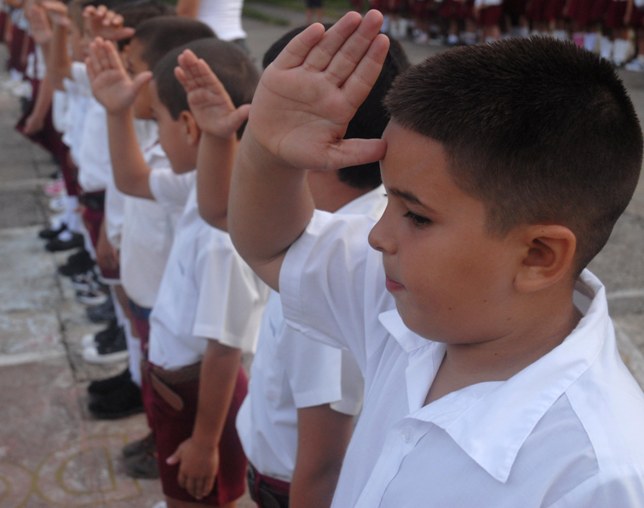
(417, 220)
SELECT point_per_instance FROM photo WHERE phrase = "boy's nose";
(380, 237)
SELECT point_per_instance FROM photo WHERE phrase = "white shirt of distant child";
(78, 93)
(148, 230)
(207, 290)
(224, 17)
(290, 372)
(564, 432)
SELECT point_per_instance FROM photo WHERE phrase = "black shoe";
(140, 446)
(120, 403)
(110, 384)
(112, 348)
(143, 466)
(57, 245)
(101, 313)
(51, 233)
(108, 334)
(80, 262)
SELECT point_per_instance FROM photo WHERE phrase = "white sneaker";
(635, 65)
(108, 352)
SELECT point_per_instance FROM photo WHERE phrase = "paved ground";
(52, 453)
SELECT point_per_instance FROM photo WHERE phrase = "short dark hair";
(137, 12)
(159, 35)
(539, 130)
(371, 118)
(228, 61)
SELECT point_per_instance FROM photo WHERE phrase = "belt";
(138, 311)
(163, 380)
(93, 200)
(267, 492)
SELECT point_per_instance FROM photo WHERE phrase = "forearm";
(218, 377)
(188, 8)
(214, 166)
(44, 98)
(270, 206)
(59, 63)
(323, 435)
(131, 173)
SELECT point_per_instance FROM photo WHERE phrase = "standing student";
(303, 395)
(492, 376)
(209, 302)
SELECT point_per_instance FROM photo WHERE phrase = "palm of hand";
(114, 90)
(303, 119)
(213, 113)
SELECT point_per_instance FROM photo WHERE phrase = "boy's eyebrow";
(409, 197)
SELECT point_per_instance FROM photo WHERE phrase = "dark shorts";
(455, 10)
(93, 216)
(490, 16)
(579, 12)
(141, 323)
(313, 4)
(614, 17)
(172, 427)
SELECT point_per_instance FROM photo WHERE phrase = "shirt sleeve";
(332, 284)
(320, 374)
(231, 297)
(169, 189)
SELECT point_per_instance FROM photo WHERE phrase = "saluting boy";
(492, 377)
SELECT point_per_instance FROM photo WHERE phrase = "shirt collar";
(478, 418)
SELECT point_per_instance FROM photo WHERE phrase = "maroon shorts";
(637, 18)
(420, 9)
(514, 8)
(579, 12)
(598, 10)
(490, 16)
(93, 216)
(454, 10)
(21, 45)
(614, 17)
(3, 24)
(141, 322)
(535, 10)
(172, 427)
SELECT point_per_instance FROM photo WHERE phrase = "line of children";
(492, 376)
(209, 302)
(483, 342)
(603, 26)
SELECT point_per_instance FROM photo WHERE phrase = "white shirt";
(224, 17)
(78, 98)
(94, 162)
(564, 432)
(207, 292)
(148, 231)
(289, 372)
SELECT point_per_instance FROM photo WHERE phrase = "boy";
(209, 302)
(148, 227)
(495, 380)
(303, 396)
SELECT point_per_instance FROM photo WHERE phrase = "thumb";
(239, 116)
(175, 458)
(140, 80)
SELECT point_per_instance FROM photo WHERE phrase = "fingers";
(194, 73)
(364, 51)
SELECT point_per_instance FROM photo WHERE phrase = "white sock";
(590, 41)
(606, 48)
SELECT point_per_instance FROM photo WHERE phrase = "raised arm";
(300, 112)
(116, 91)
(58, 59)
(219, 121)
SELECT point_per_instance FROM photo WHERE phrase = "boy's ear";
(548, 257)
(190, 127)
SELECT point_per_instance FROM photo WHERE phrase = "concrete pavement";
(52, 453)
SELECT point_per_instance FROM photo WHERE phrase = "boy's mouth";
(393, 285)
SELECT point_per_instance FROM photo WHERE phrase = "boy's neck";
(498, 360)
